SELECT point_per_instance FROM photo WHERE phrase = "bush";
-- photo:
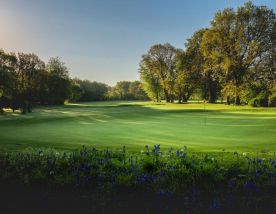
(260, 100)
(272, 100)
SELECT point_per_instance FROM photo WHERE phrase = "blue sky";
(103, 40)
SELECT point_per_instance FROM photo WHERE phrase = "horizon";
(103, 41)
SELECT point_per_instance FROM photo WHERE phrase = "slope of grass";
(201, 127)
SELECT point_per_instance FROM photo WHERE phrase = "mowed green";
(200, 127)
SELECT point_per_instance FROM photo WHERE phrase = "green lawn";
(210, 127)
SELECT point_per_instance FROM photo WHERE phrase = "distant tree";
(8, 79)
(58, 81)
(76, 91)
(136, 91)
(92, 91)
(122, 88)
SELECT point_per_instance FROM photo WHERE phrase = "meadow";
(200, 127)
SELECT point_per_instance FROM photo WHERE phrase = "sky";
(103, 40)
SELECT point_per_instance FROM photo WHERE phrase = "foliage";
(239, 44)
(174, 172)
(90, 91)
(259, 101)
(127, 90)
(228, 59)
(150, 82)
(272, 100)
(272, 97)
(158, 67)
(26, 81)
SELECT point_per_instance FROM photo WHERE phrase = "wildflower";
(161, 193)
(257, 172)
(271, 174)
(244, 154)
(213, 159)
(258, 160)
(162, 173)
(215, 205)
(170, 194)
(183, 155)
(249, 186)
(156, 148)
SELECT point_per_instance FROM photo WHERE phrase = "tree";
(92, 91)
(136, 91)
(58, 81)
(160, 60)
(29, 69)
(122, 89)
(183, 83)
(238, 43)
(76, 91)
(150, 82)
(8, 80)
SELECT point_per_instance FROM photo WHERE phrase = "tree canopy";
(233, 59)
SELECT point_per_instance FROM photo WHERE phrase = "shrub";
(272, 100)
(260, 100)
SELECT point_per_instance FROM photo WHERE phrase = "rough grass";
(201, 127)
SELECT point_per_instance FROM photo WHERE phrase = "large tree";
(160, 60)
(29, 72)
(191, 74)
(238, 43)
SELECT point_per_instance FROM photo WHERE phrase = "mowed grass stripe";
(201, 127)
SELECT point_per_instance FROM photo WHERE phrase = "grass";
(201, 127)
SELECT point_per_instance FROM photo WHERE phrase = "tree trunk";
(166, 96)
(184, 99)
(228, 100)
(30, 108)
(171, 98)
(179, 98)
(24, 107)
(237, 100)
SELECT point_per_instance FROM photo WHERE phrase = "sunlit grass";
(199, 126)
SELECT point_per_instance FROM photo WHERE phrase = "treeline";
(85, 90)
(233, 60)
(25, 81)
